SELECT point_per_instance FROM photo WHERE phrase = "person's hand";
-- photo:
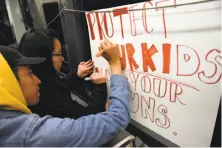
(97, 77)
(107, 104)
(85, 68)
(111, 53)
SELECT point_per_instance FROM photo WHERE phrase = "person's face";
(57, 57)
(29, 84)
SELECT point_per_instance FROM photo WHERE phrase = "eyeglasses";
(58, 54)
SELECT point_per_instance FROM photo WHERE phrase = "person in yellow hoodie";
(12, 96)
(19, 87)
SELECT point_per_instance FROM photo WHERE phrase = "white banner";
(172, 58)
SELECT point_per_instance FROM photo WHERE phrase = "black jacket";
(55, 97)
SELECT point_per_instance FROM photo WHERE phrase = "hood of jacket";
(11, 96)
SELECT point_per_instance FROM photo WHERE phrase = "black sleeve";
(95, 96)
(72, 79)
(98, 95)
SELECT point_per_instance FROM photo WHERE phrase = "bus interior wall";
(6, 32)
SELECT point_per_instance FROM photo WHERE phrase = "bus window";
(6, 34)
(51, 10)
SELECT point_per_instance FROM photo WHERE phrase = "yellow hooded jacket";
(11, 96)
